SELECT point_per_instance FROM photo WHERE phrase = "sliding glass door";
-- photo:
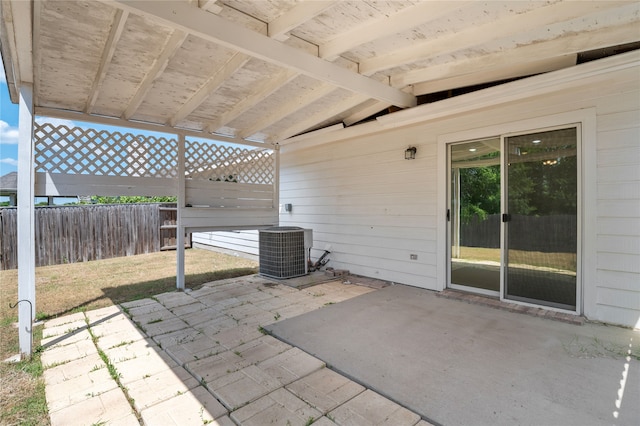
(513, 217)
(474, 215)
(541, 219)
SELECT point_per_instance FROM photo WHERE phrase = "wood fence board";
(68, 234)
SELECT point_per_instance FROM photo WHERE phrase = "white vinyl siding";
(372, 209)
(235, 242)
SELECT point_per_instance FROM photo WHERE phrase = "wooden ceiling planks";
(119, 58)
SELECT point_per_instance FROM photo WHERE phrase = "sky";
(8, 129)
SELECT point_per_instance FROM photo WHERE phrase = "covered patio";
(231, 82)
(218, 101)
(254, 351)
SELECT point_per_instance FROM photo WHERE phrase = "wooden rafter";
(216, 80)
(236, 62)
(298, 15)
(319, 117)
(368, 109)
(477, 35)
(267, 88)
(288, 108)
(184, 17)
(170, 48)
(117, 27)
(402, 21)
(210, 6)
(567, 45)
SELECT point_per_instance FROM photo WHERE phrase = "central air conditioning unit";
(284, 251)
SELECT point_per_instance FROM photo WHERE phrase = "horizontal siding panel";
(364, 199)
(622, 298)
(623, 173)
(615, 139)
(617, 315)
(619, 191)
(619, 156)
(410, 222)
(424, 234)
(404, 181)
(382, 209)
(618, 280)
(623, 244)
(619, 120)
(618, 226)
(382, 258)
(408, 245)
(619, 208)
(215, 239)
(619, 262)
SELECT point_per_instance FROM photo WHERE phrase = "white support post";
(276, 180)
(26, 222)
(180, 230)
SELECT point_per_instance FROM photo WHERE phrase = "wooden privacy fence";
(549, 234)
(81, 233)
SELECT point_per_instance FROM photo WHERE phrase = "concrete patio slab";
(434, 356)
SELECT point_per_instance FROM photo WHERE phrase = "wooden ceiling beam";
(404, 20)
(535, 19)
(117, 26)
(184, 17)
(173, 44)
(567, 45)
(319, 117)
(216, 80)
(496, 73)
(236, 62)
(298, 15)
(368, 109)
(288, 108)
(22, 39)
(210, 6)
(267, 88)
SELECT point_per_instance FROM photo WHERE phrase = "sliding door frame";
(587, 205)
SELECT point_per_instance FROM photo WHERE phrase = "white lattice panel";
(77, 151)
(208, 161)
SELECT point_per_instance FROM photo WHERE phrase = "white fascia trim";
(578, 75)
(514, 91)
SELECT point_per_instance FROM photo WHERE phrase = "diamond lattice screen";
(209, 161)
(73, 150)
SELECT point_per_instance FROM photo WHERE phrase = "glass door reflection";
(541, 220)
(474, 215)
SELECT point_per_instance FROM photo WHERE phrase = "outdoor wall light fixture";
(410, 153)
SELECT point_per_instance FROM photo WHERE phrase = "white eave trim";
(578, 75)
(513, 91)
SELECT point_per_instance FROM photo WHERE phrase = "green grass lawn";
(75, 287)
